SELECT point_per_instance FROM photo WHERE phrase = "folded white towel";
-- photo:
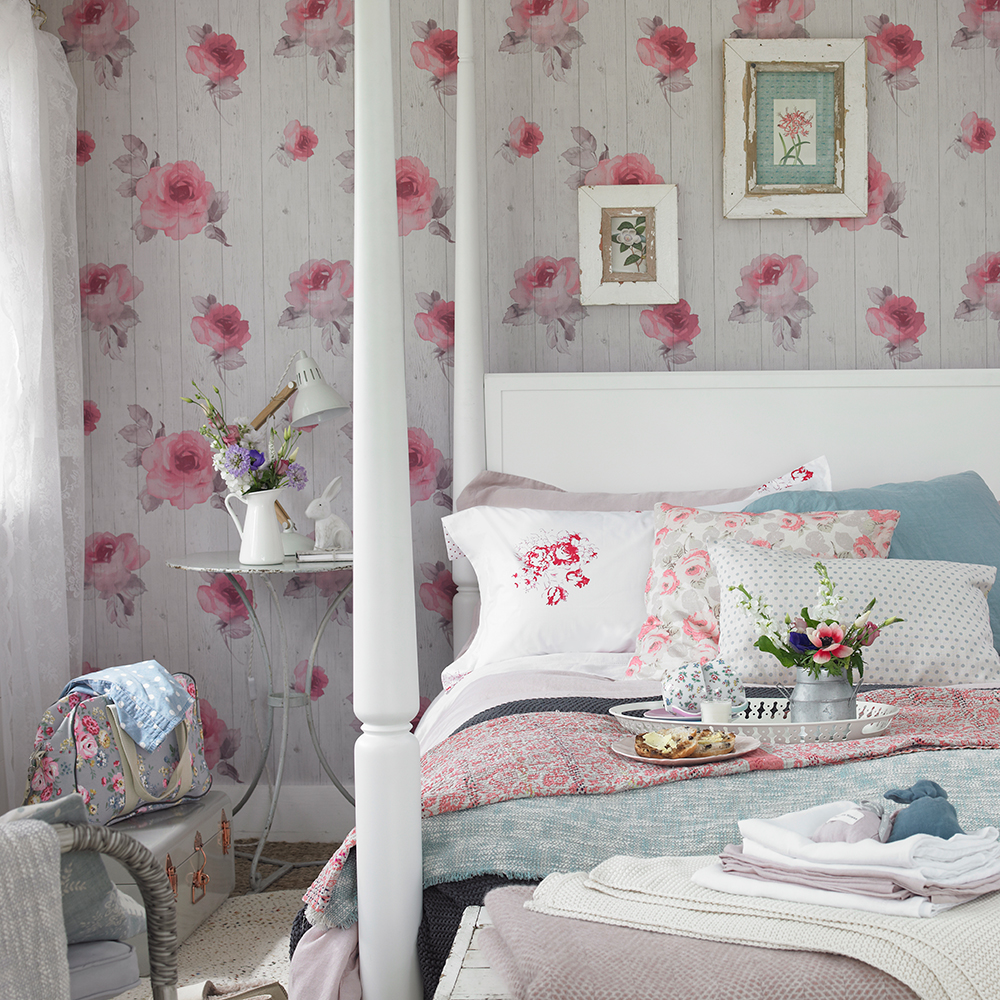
(789, 835)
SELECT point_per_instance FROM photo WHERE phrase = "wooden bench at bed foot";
(467, 974)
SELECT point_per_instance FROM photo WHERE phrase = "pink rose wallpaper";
(319, 26)
(179, 469)
(420, 201)
(109, 572)
(85, 147)
(632, 168)
(524, 140)
(222, 329)
(436, 52)
(675, 327)
(895, 317)
(321, 290)
(884, 198)
(982, 289)
(104, 296)
(426, 463)
(894, 48)
(772, 18)
(300, 142)
(94, 29)
(216, 57)
(977, 135)
(436, 324)
(91, 417)
(547, 291)
(980, 25)
(218, 596)
(221, 742)
(548, 27)
(668, 51)
(319, 680)
(773, 285)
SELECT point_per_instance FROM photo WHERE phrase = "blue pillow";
(954, 518)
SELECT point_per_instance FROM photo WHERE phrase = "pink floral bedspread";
(567, 753)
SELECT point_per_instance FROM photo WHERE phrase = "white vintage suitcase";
(193, 843)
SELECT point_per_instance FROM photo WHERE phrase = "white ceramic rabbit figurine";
(332, 532)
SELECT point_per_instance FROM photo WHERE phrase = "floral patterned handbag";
(81, 747)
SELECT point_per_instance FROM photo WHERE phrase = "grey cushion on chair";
(101, 969)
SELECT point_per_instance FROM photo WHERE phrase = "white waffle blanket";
(955, 956)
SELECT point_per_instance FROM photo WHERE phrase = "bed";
(438, 820)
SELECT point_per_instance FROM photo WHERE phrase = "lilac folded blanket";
(543, 957)
(863, 881)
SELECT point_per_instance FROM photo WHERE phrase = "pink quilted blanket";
(567, 753)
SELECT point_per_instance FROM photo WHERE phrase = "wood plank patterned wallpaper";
(215, 209)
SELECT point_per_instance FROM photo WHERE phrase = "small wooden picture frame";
(796, 128)
(628, 244)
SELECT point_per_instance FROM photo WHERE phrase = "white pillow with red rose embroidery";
(551, 581)
(682, 590)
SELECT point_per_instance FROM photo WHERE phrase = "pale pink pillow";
(682, 590)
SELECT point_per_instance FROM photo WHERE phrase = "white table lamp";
(316, 400)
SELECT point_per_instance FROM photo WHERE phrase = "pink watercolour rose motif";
(547, 290)
(300, 142)
(524, 139)
(772, 18)
(982, 290)
(221, 742)
(977, 135)
(430, 472)
(894, 48)
(223, 330)
(667, 50)
(110, 563)
(420, 201)
(774, 285)
(548, 26)
(552, 563)
(884, 198)
(318, 681)
(980, 26)
(436, 325)
(437, 593)
(319, 26)
(93, 29)
(218, 596)
(895, 318)
(85, 146)
(91, 416)
(321, 292)
(632, 168)
(436, 51)
(179, 469)
(328, 586)
(104, 296)
(216, 58)
(675, 327)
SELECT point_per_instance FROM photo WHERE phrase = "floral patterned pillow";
(682, 590)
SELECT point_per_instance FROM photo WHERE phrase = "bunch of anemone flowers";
(817, 640)
(249, 460)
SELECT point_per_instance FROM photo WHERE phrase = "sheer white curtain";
(41, 400)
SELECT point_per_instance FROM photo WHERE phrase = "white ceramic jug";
(260, 532)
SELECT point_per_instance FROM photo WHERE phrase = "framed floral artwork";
(796, 128)
(628, 244)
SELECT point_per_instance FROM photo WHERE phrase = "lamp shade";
(315, 399)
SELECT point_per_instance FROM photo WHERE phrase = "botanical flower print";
(420, 201)
(346, 158)
(223, 330)
(524, 138)
(436, 325)
(772, 18)
(425, 464)
(322, 290)
(85, 145)
(328, 585)
(548, 26)
(221, 742)
(675, 327)
(668, 51)
(104, 292)
(218, 596)
(318, 681)
(300, 143)
(216, 58)
(91, 416)
(895, 317)
(976, 136)
(774, 285)
(93, 28)
(438, 592)
(321, 27)
(109, 572)
(179, 469)
(884, 197)
(982, 289)
(632, 168)
(893, 47)
(980, 25)
(547, 291)
(583, 155)
(176, 198)
(552, 563)
(436, 52)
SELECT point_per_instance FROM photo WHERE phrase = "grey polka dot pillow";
(945, 637)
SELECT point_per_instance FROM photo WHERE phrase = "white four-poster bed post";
(386, 698)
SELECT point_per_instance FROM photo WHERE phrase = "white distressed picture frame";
(743, 196)
(600, 284)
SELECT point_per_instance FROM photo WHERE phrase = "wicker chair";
(158, 897)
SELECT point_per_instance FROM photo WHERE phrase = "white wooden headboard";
(635, 431)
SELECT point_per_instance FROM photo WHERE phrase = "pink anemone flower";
(830, 642)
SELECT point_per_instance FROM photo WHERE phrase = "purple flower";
(297, 475)
(256, 458)
(800, 642)
(237, 460)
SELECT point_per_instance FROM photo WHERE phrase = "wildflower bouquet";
(817, 639)
(249, 460)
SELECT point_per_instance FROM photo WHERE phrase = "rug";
(298, 852)
(242, 945)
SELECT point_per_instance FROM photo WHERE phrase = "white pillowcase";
(552, 581)
(814, 475)
(944, 638)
